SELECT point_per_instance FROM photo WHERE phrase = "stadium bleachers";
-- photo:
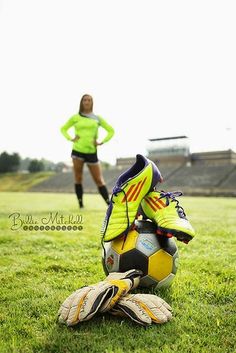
(200, 176)
(64, 182)
(167, 170)
(198, 179)
(230, 181)
(60, 182)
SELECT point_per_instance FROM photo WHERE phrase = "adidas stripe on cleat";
(163, 208)
(130, 189)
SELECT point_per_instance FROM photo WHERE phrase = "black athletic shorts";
(89, 158)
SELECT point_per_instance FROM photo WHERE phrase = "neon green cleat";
(130, 189)
(162, 208)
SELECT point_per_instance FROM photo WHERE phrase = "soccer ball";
(155, 255)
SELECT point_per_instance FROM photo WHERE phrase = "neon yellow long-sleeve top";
(86, 127)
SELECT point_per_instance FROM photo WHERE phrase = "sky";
(154, 69)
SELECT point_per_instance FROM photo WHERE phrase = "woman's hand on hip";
(96, 143)
(76, 138)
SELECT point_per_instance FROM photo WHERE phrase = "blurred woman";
(85, 143)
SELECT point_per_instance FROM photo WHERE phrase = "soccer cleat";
(163, 208)
(130, 189)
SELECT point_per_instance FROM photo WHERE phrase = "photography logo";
(54, 221)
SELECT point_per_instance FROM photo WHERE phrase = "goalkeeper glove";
(143, 309)
(85, 302)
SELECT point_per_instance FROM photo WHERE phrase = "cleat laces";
(171, 197)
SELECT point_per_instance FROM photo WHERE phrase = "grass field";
(39, 269)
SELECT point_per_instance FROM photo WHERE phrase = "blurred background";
(162, 74)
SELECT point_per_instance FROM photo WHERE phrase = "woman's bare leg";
(96, 172)
(78, 177)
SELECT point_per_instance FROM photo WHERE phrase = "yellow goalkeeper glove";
(143, 309)
(85, 302)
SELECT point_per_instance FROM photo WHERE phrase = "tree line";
(14, 163)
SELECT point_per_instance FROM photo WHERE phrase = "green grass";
(39, 269)
(22, 181)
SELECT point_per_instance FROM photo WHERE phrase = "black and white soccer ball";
(155, 255)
